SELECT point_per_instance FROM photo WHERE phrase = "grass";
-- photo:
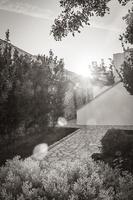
(24, 145)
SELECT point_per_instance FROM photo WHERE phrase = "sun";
(85, 72)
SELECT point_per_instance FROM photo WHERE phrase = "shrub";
(117, 148)
(28, 179)
(117, 140)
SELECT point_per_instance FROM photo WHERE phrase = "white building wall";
(114, 107)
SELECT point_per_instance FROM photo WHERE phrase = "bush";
(117, 140)
(117, 148)
(28, 179)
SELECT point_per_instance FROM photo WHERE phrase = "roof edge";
(103, 92)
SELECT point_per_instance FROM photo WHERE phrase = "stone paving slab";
(83, 142)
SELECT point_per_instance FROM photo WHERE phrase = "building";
(118, 60)
(114, 106)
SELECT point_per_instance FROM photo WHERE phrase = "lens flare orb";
(62, 121)
(40, 151)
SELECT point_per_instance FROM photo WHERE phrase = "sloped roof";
(20, 50)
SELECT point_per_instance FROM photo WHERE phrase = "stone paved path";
(83, 142)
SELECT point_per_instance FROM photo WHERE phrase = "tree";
(101, 74)
(14, 100)
(49, 87)
(110, 74)
(7, 34)
(26, 99)
(5, 85)
(127, 73)
(77, 13)
(10, 117)
(39, 105)
(127, 36)
(127, 66)
(20, 101)
(57, 88)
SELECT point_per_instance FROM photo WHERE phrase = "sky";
(30, 23)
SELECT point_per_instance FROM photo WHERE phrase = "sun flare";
(85, 72)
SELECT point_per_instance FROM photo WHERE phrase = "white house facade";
(113, 106)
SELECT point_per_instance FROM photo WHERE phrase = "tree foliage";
(56, 85)
(77, 13)
(101, 74)
(127, 36)
(25, 96)
(127, 66)
(127, 73)
(14, 72)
